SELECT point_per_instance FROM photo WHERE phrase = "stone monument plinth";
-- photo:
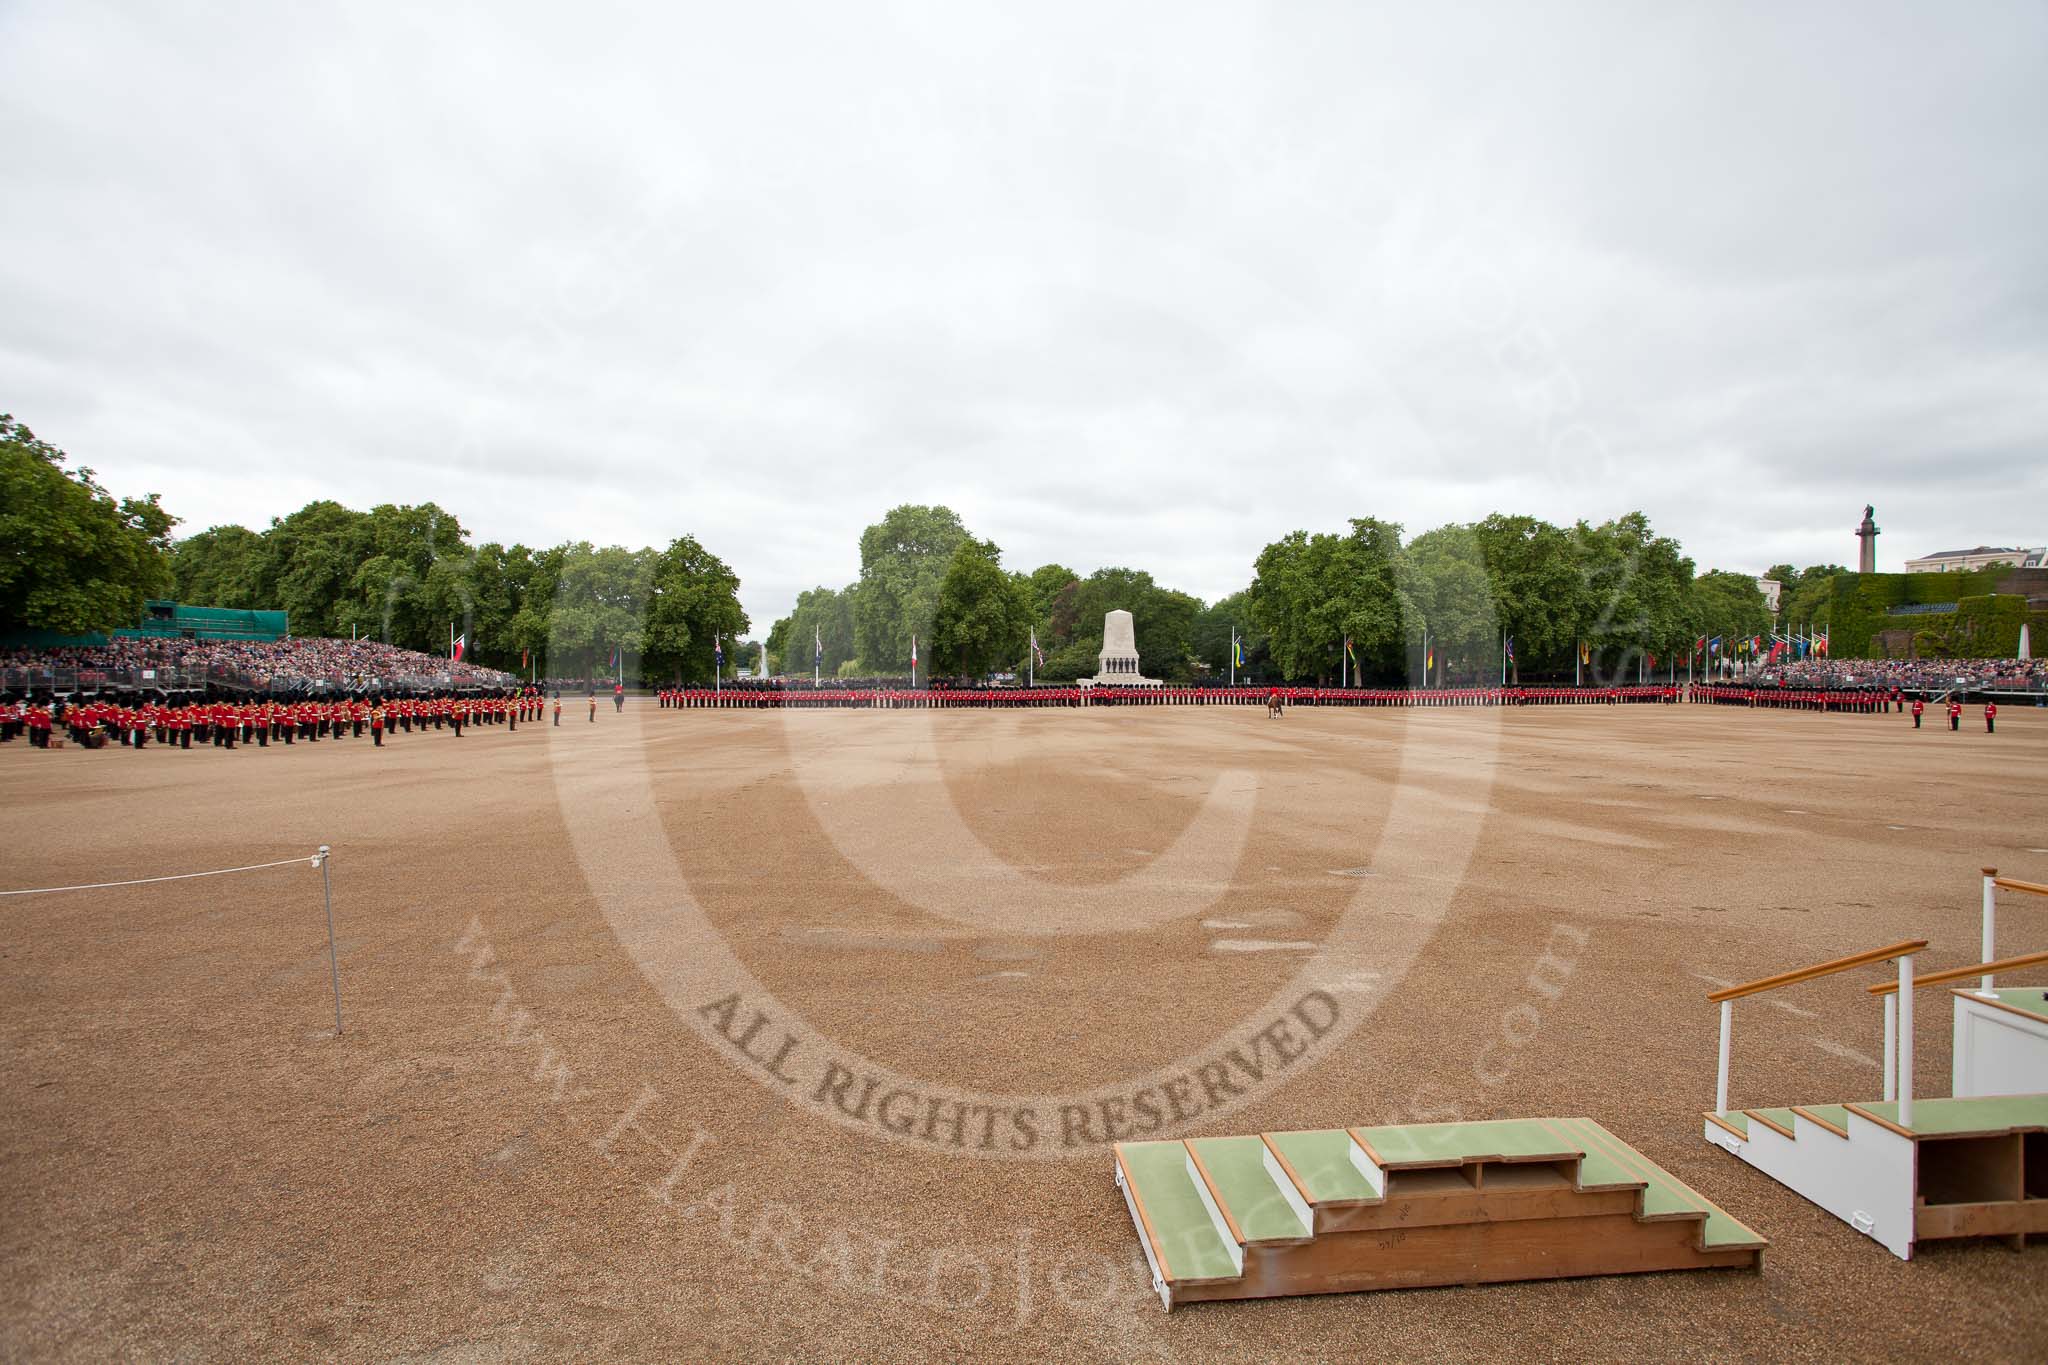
(1117, 664)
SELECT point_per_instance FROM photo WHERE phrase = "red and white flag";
(455, 650)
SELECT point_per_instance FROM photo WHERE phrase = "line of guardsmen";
(752, 698)
(224, 724)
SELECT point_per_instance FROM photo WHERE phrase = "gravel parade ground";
(709, 1034)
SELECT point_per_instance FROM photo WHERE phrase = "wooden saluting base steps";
(1338, 1210)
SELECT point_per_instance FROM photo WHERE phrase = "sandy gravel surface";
(550, 1130)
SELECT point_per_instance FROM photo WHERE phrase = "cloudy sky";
(1137, 284)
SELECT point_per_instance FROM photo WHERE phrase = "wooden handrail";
(2015, 884)
(2003, 964)
(1840, 964)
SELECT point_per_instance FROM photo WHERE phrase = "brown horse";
(1272, 706)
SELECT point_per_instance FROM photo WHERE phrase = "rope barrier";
(318, 859)
(313, 861)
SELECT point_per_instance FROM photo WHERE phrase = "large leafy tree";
(219, 567)
(1729, 605)
(309, 566)
(693, 602)
(1311, 591)
(600, 604)
(983, 614)
(1538, 590)
(1633, 590)
(903, 558)
(823, 618)
(73, 558)
(1453, 599)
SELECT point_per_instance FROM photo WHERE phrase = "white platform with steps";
(1903, 1170)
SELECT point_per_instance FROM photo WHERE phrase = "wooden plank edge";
(1819, 1122)
(1215, 1195)
(1720, 1122)
(1997, 1004)
(1861, 1112)
(1301, 1186)
(1818, 969)
(1780, 1129)
(1144, 1218)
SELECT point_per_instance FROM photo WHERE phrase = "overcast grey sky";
(1137, 284)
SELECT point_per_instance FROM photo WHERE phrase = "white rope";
(313, 860)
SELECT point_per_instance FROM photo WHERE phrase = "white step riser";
(1998, 1052)
(1293, 1196)
(1365, 1166)
(1159, 1284)
(1866, 1180)
(1216, 1218)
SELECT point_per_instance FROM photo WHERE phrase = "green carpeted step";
(1322, 1159)
(1951, 1117)
(1735, 1119)
(1664, 1194)
(1245, 1191)
(1836, 1114)
(1454, 1144)
(1184, 1236)
(2032, 999)
(1784, 1118)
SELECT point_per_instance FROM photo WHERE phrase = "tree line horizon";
(1612, 593)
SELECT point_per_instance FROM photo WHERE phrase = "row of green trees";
(925, 577)
(79, 560)
(1451, 597)
(1458, 595)
(409, 575)
(73, 557)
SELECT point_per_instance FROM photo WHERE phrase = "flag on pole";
(817, 648)
(1585, 653)
(1037, 654)
(1237, 651)
(718, 649)
(523, 656)
(1429, 661)
(1714, 645)
(1511, 649)
(461, 644)
(913, 656)
(1347, 650)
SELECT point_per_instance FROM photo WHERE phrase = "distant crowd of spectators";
(289, 667)
(1911, 675)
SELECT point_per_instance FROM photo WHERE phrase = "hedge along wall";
(1990, 606)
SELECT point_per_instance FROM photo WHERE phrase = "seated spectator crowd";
(289, 667)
